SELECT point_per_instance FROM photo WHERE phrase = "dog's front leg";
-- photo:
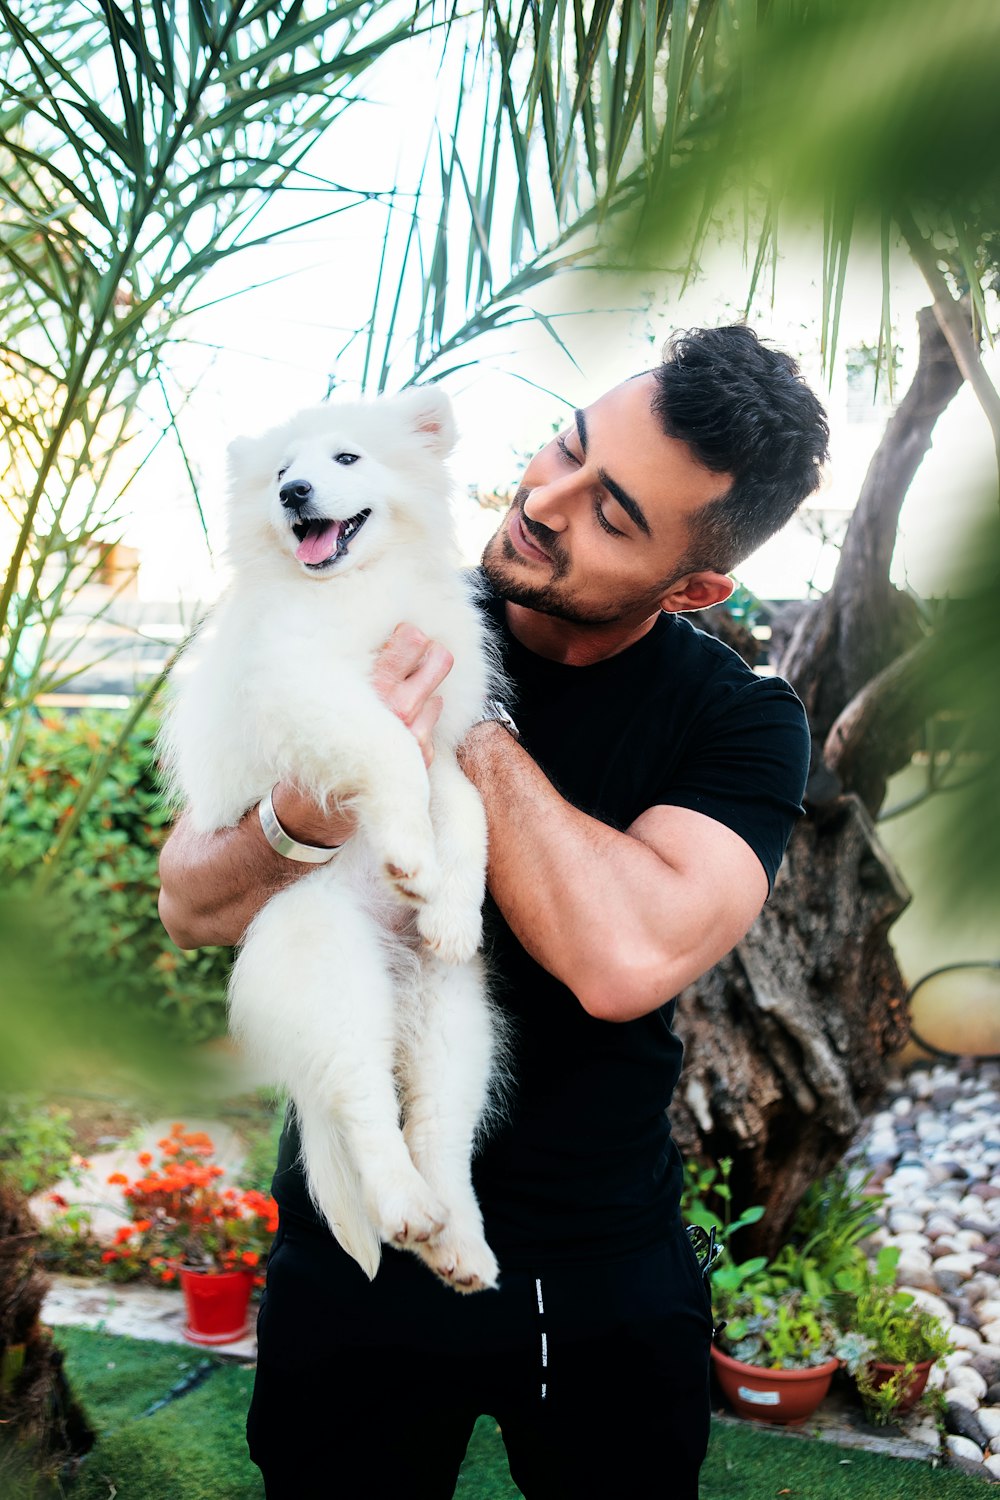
(452, 924)
(368, 756)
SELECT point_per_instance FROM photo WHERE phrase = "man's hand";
(213, 885)
(408, 671)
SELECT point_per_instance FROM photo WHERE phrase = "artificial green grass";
(747, 1462)
(194, 1448)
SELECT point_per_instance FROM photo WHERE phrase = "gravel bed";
(934, 1150)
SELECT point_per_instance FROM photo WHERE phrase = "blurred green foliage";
(97, 931)
(36, 1141)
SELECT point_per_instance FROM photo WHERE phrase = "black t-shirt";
(581, 1165)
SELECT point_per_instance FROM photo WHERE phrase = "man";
(636, 824)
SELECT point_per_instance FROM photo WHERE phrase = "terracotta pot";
(785, 1396)
(217, 1304)
(882, 1370)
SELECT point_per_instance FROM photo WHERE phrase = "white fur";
(359, 985)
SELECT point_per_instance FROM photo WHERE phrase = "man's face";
(599, 526)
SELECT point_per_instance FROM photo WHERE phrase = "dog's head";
(338, 484)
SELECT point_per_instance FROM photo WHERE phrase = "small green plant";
(36, 1142)
(703, 1183)
(899, 1330)
(790, 1333)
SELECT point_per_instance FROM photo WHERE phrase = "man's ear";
(697, 591)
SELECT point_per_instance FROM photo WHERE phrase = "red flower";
(58, 1200)
(250, 1258)
(109, 1255)
(169, 1274)
(141, 1225)
(123, 1234)
(144, 1158)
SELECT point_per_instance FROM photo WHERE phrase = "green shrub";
(102, 902)
(36, 1142)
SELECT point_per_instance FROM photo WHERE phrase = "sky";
(252, 359)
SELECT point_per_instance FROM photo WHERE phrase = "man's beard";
(502, 564)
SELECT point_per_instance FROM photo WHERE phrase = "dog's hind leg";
(445, 1095)
(312, 997)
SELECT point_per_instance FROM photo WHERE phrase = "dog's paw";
(411, 1217)
(462, 1260)
(412, 872)
(453, 934)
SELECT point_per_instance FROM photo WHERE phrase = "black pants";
(597, 1375)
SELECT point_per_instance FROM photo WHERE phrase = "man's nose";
(552, 502)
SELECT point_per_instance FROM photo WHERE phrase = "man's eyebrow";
(631, 507)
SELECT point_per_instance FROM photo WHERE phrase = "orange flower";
(144, 1158)
(141, 1225)
(168, 1147)
(177, 1128)
(118, 1179)
(123, 1234)
(109, 1255)
(169, 1274)
(250, 1257)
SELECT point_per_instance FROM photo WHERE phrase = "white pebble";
(969, 1239)
(963, 1447)
(911, 1262)
(936, 1306)
(902, 1221)
(907, 1177)
(965, 1378)
(961, 1397)
(965, 1338)
(902, 1105)
(909, 1239)
(963, 1262)
(989, 1417)
(993, 1464)
(988, 1310)
(924, 1432)
(990, 1332)
(936, 1378)
(960, 1357)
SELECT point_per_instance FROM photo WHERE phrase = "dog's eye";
(283, 472)
(345, 458)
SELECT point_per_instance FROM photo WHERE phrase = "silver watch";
(282, 843)
(493, 712)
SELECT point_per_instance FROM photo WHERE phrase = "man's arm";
(212, 885)
(625, 920)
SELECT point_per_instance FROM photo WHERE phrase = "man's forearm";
(585, 900)
(214, 884)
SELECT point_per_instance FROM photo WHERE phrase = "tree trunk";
(788, 1039)
(37, 1411)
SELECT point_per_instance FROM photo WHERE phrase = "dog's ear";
(246, 457)
(427, 408)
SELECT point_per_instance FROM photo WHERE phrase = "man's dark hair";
(743, 409)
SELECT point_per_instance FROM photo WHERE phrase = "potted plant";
(187, 1227)
(890, 1345)
(776, 1356)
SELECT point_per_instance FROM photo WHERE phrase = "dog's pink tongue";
(321, 542)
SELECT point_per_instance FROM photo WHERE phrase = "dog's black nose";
(295, 494)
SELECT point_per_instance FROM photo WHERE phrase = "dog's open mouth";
(323, 542)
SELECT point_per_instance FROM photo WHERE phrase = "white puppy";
(359, 986)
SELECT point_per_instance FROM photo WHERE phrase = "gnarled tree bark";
(788, 1038)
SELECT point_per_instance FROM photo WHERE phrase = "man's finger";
(401, 655)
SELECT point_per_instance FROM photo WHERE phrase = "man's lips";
(522, 541)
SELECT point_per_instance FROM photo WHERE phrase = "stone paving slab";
(138, 1311)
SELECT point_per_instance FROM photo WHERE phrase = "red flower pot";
(882, 1371)
(217, 1303)
(785, 1396)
